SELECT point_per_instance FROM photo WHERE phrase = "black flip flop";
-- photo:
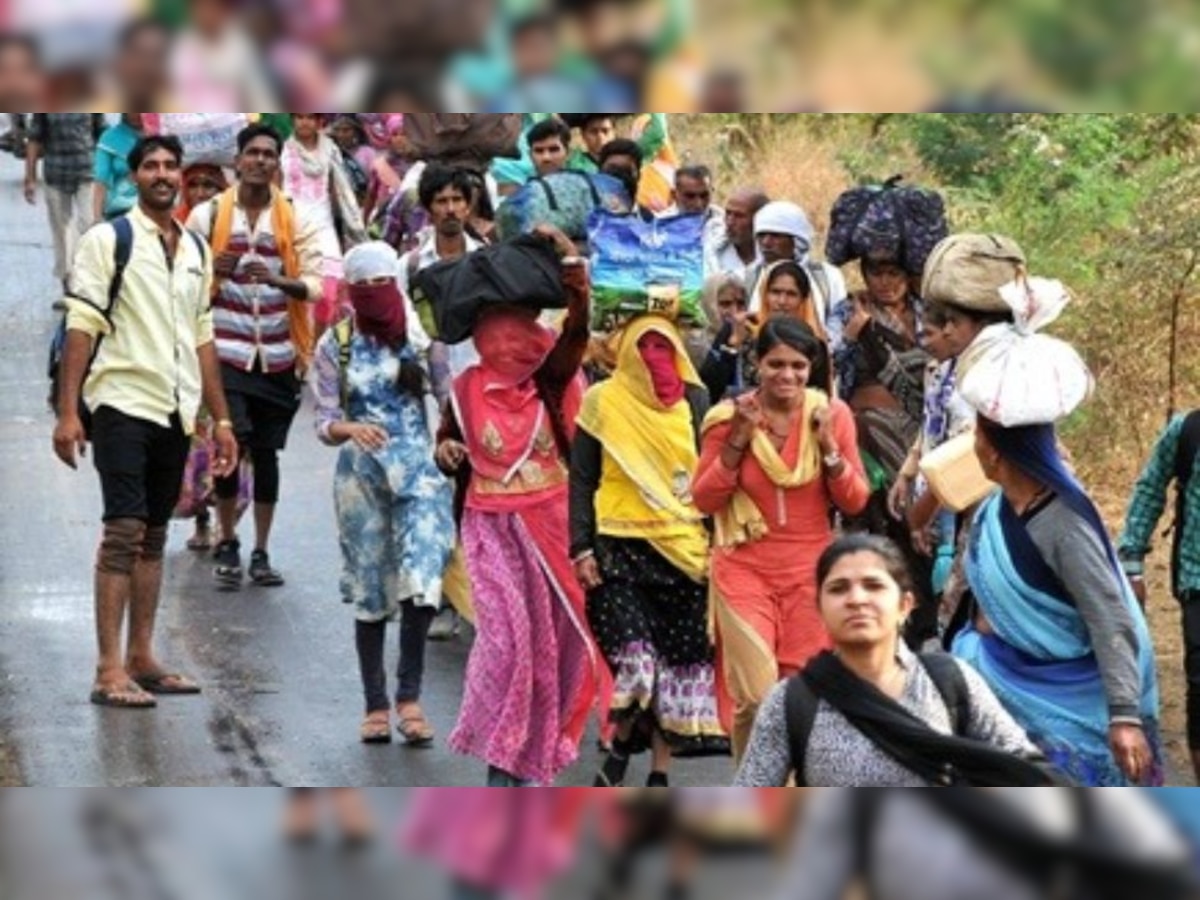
(168, 684)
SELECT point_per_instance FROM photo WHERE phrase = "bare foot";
(301, 823)
(353, 815)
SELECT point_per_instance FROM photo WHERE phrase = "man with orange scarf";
(267, 263)
(640, 547)
(533, 673)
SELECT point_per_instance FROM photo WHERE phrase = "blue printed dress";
(394, 508)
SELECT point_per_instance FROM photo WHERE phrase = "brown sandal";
(414, 727)
(376, 728)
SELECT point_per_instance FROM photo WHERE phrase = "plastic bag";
(207, 138)
(641, 266)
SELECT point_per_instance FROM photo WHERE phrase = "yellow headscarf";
(742, 522)
(650, 454)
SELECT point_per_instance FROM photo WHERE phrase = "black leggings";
(266, 478)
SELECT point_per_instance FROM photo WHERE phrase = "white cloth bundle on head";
(1015, 376)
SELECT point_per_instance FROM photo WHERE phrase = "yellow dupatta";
(650, 455)
(741, 522)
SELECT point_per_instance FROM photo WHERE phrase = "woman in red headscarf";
(640, 548)
(533, 671)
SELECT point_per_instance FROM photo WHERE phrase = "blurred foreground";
(179, 844)
(625, 55)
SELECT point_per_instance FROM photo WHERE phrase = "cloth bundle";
(1015, 376)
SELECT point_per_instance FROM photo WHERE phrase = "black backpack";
(801, 705)
(1185, 469)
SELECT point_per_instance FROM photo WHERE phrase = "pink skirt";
(529, 678)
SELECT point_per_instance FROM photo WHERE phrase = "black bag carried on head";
(524, 272)
(887, 221)
(468, 140)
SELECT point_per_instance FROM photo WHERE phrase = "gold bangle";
(224, 423)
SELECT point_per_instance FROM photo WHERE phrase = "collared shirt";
(146, 366)
(459, 357)
(1147, 506)
(251, 321)
(68, 142)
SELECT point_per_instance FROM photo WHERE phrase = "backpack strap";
(122, 253)
(1185, 470)
(800, 713)
(343, 333)
(952, 685)
(1189, 449)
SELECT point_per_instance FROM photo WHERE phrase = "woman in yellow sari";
(640, 548)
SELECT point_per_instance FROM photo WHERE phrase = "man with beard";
(737, 253)
(267, 262)
(141, 312)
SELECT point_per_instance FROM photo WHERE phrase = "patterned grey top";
(839, 755)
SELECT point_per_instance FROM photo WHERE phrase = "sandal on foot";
(167, 684)
(612, 773)
(415, 728)
(376, 728)
(131, 696)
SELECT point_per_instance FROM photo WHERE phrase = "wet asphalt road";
(282, 699)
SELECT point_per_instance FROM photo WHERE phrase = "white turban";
(371, 260)
(781, 217)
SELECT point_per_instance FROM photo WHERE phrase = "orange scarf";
(283, 224)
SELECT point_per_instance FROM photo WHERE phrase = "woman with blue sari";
(1057, 633)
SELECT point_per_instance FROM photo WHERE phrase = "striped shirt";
(251, 321)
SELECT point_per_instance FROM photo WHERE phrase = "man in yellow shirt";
(149, 327)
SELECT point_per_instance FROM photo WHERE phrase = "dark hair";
(550, 128)
(853, 544)
(133, 30)
(147, 145)
(797, 272)
(788, 332)
(936, 314)
(981, 317)
(583, 120)
(694, 173)
(23, 41)
(437, 177)
(621, 147)
(255, 131)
